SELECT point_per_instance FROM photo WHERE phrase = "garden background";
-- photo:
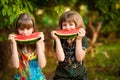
(102, 20)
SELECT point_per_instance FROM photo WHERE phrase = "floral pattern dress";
(29, 68)
(70, 68)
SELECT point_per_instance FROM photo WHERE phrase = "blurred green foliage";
(47, 12)
(9, 11)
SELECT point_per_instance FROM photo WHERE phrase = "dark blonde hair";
(25, 21)
(71, 16)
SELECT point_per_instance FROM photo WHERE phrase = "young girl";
(27, 69)
(70, 53)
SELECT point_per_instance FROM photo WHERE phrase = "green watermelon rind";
(67, 36)
(27, 42)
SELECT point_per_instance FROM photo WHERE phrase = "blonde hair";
(71, 16)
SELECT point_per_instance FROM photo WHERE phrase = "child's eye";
(64, 24)
(21, 28)
(28, 28)
(71, 24)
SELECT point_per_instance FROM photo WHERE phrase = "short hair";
(71, 16)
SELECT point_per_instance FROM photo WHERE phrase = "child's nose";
(67, 27)
(25, 32)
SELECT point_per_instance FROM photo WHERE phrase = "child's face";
(25, 31)
(68, 25)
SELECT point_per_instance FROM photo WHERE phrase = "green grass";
(51, 65)
(105, 65)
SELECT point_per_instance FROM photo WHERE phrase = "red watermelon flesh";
(67, 33)
(27, 39)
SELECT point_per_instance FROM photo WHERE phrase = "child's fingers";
(41, 36)
(53, 32)
(11, 36)
(81, 32)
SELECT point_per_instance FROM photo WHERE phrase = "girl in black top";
(70, 53)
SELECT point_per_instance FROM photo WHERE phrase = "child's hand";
(81, 33)
(41, 35)
(54, 36)
(11, 37)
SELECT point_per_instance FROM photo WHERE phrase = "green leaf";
(9, 11)
(2, 2)
(30, 6)
(4, 12)
(12, 18)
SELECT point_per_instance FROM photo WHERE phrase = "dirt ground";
(49, 76)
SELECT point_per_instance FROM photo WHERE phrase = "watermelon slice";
(26, 40)
(67, 34)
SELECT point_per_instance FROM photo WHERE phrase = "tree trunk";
(4, 49)
(95, 32)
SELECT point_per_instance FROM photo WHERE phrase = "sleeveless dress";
(70, 68)
(29, 68)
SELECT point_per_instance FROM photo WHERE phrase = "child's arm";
(59, 50)
(41, 52)
(80, 52)
(13, 46)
